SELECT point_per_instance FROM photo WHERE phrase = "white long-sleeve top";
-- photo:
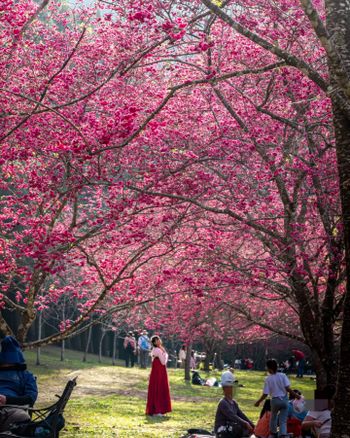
(182, 355)
(162, 355)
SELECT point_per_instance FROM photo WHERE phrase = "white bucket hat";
(227, 379)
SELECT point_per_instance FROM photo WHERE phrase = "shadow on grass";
(155, 419)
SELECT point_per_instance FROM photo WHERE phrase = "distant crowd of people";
(284, 412)
(137, 350)
(296, 363)
(244, 364)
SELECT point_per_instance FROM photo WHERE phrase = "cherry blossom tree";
(58, 215)
(329, 22)
(180, 151)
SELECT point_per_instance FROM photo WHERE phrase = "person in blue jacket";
(17, 385)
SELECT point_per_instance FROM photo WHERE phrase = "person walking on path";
(300, 358)
(130, 349)
(17, 385)
(277, 385)
(144, 348)
(158, 397)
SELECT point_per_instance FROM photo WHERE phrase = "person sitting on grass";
(319, 420)
(230, 421)
(17, 385)
(296, 414)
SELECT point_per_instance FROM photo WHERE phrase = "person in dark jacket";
(230, 421)
(130, 349)
(17, 385)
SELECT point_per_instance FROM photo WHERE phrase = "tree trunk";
(63, 349)
(100, 346)
(188, 363)
(63, 345)
(38, 350)
(338, 26)
(219, 361)
(115, 336)
(207, 361)
(341, 418)
(87, 344)
(321, 373)
(316, 331)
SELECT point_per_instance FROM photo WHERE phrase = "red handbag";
(262, 428)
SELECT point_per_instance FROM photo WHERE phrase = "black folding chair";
(50, 418)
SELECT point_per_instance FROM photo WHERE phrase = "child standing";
(277, 386)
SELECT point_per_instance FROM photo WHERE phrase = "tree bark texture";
(87, 344)
(188, 363)
(338, 26)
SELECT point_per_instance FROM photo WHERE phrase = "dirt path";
(94, 381)
(99, 381)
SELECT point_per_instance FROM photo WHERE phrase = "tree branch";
(288, 57)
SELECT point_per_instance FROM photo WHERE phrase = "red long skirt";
(158, 399)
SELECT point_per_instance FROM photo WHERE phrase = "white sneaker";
(158, 415)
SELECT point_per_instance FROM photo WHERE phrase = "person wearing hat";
(230, 421)
(130, 349)
(17, 385)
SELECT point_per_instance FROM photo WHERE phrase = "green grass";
(109, 401)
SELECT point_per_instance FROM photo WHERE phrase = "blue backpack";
(144, 343)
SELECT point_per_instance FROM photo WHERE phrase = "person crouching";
(230, 421)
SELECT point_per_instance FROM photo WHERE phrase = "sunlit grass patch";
(110, 401)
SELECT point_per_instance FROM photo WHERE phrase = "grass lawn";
(109, 401)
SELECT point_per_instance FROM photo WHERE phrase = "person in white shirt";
(320, 419)
(277, 386)
(182, 356)
(192, 361)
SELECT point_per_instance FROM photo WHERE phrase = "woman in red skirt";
(158, 399)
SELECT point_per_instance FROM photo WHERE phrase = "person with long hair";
(158, 398)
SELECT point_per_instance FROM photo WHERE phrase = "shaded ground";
(102, 381)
